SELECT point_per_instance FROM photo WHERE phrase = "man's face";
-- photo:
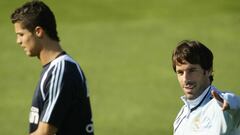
(192, 78)
(27, 40)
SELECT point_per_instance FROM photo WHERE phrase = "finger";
(216, 96)
(225, 105)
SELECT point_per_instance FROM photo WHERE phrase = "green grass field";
(124, 48)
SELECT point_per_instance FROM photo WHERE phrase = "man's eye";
(179, 72)
(20, 34)
(193, 70)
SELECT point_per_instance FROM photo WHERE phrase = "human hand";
(225, 104)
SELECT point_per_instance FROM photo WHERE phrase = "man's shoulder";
(64, 62)
(63, 58)
(212, 105)
(213, 110)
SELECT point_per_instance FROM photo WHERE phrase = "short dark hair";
(193, 52)
(36, 13)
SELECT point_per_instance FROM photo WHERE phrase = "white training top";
(204, 115)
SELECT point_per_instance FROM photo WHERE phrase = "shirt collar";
(193, 103)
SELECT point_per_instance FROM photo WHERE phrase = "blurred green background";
(124, 48)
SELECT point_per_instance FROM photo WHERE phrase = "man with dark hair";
(60, 104)
(207, 111)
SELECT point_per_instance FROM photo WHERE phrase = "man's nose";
(186, 76)
(18, 41)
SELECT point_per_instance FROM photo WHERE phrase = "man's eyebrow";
(194, 68)
(19, 32)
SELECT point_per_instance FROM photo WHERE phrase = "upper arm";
(58, 97)
(45, 129)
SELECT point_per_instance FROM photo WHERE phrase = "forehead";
(19, 27)
(186, 66)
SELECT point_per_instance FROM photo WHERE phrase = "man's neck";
(49, 52)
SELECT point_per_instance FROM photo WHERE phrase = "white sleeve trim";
(54, 89)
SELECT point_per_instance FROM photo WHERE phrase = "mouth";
(24, 49)
(189, 88)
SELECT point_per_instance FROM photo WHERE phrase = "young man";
(60, 104)
(207, 111)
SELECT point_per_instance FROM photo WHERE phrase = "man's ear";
(39, 32)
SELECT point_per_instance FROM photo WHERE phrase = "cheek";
(28, 41)
(25, 40)
(180, 80)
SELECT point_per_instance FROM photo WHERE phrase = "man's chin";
(190, 96)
